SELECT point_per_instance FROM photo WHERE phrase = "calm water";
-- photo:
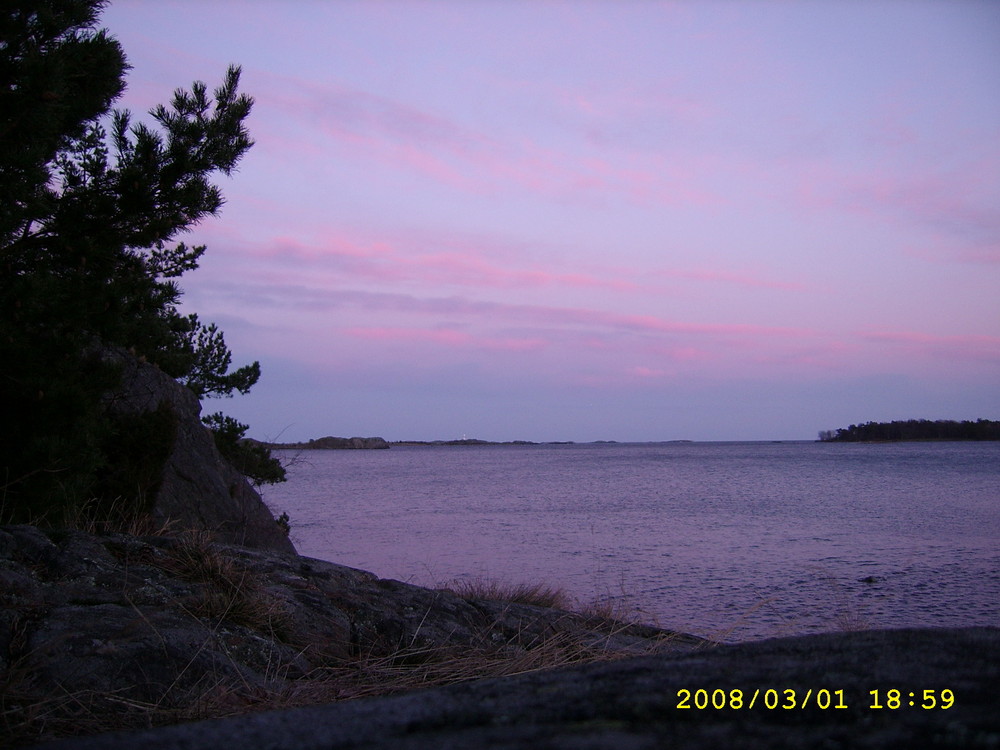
(733, 540)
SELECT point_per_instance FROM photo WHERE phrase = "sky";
(596, 220)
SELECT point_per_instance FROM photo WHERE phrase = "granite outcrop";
(151, 636)
(103, 631)
(197, 488)
(811, 692)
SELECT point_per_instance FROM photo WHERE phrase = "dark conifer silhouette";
(914, 429)
(91, 208)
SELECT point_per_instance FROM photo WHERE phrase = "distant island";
(378, 443)
(913, 430)
(335, 443)
(465, 441)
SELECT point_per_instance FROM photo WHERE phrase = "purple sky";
(597, 220)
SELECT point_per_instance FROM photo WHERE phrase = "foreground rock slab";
(111, 631)
(634, 703)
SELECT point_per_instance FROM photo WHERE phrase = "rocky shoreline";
(145, 635)
(107, 631)
(635, 703)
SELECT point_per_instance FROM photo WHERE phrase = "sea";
(732, 541)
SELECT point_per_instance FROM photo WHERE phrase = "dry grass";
(409, 669)
(610, 608)
(225, 592)
(228, 590)
(232, 593)
(848, 616)
(725, 634)
(28, 716)
(118, 516)
(490, 589)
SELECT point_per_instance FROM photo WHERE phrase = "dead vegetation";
(236, 608)
(226, 590)
(492, 589)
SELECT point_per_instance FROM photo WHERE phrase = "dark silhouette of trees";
(91, 206)
(914, 429)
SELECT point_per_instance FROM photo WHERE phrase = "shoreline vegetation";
(914, 430)
(141, 627)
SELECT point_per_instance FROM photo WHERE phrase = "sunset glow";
(597, 220)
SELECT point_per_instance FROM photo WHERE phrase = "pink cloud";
(315, 298)
(445, 337)
(578, 344)
(647, 372)
(966, 347)
(375, 128)
(728, 277)
(468, 270)
(340, 256)
(649, 323)
(355, 278)
(571, 335)
(444, 259)
(956, 209)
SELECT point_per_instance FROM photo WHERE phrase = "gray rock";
(634, 703)
(140, 630)
(113, 631)
(198, 489)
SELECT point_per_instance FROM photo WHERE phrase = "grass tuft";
(228, 590)
(490, 589)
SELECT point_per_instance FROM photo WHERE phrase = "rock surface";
(633, 703)
(198, 489)
(108, 631)
(102, 632)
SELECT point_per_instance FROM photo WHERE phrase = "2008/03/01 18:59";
(789, 699)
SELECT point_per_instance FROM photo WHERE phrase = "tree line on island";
(914, 429)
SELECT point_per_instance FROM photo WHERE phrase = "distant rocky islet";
(378, 443)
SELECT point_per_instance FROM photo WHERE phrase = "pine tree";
(91, 206)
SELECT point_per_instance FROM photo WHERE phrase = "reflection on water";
(739, 540)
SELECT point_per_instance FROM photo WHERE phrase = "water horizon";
(726, 539)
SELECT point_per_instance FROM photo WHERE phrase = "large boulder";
(197, 488)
